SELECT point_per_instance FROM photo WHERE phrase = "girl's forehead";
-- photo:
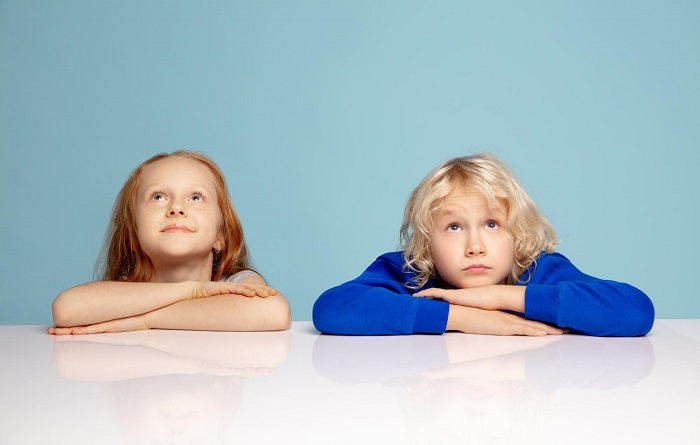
(177, 170)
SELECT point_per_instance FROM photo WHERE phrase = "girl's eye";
(492, 225)
(158, 196)
(197, 197)
(453, 228)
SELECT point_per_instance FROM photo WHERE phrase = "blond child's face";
(470, 245)
(178, 219)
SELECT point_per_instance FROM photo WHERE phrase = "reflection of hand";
(487, 357)
(123, 356)
(212, 369)
(469, 348)
(210, 288)
(135, 323)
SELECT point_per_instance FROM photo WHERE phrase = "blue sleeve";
(560, 294)
(378, 303)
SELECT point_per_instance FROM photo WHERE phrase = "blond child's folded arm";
(494, 297)
(472, 320)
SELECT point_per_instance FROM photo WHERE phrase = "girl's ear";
(219, 243)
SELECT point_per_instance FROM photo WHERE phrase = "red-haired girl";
(174, 258)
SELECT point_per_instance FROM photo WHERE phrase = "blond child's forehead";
(461, 188)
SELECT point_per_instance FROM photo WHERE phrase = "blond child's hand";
(476, 297)
(495, 297)
(210, 288)
(479, 321)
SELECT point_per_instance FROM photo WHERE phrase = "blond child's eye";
(492, 225)
(453, 228)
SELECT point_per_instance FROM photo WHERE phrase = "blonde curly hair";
(488, 175)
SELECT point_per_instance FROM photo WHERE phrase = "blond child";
(479, 258)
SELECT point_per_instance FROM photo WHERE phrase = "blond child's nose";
(474, 246)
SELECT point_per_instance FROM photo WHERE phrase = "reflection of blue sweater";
(378, 303)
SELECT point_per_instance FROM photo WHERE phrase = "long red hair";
(123, 259)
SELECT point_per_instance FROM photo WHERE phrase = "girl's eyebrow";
(160, 185)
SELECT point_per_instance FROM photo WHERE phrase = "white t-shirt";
(238, 277)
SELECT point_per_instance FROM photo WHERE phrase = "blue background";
(324, 115)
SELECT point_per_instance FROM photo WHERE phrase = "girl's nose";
(177, 210)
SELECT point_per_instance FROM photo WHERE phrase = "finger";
(516, 325)
(531, 331)
(98, 328)
(259, 291)
(556, 331)
(81, 330)
(63, 331)
(269, 291)
(263, 289)
(430, 295)
(550, 330)
(546, 329)
(246, 291)
(264, 292)
(241, 289)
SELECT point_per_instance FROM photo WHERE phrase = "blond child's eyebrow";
(446, 211)
(499, 211)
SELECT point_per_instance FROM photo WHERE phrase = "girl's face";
(470, 245)
(178, 219)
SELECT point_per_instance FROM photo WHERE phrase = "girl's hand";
(210, 288)
(478, 321)
(135, 323)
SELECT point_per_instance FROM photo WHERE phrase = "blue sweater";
(378, 303)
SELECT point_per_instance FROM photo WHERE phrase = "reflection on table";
(175, 386)
(302, 387)
(480, 389)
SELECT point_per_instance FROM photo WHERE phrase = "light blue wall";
(324, 115)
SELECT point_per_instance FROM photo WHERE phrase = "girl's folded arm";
(100, 301)
(224, 313)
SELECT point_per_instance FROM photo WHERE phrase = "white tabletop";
(301, 387)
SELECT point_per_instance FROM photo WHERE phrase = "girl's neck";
(175, 273)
